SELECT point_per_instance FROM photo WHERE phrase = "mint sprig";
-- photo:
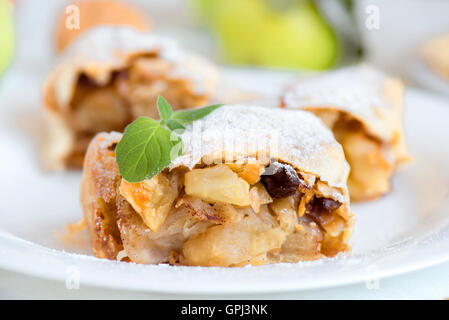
(149, 146)
(164, 108)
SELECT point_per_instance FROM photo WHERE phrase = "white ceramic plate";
(404, 231)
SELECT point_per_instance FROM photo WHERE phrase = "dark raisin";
(112, 146)
(87, 82)
(281, 180)
(121, 74)
(329, 205)
(320, 209)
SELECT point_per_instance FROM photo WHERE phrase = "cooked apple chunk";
(151, 199)
(232, 245)
(258, 196)
(217, 184)
(285, 210)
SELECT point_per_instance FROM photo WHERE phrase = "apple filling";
(368, 157)
(130, 93)
(231, 215)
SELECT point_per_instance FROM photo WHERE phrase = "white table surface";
(431, 283)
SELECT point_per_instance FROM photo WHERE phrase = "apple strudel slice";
(250, 187)
(107, 78)
(363, 107)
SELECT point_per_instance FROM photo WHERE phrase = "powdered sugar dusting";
(296, 137)
(108, 139)
(362, 91)
(105, 48)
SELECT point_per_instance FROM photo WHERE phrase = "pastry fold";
(237, 195)
(363, 107)
(110, 76)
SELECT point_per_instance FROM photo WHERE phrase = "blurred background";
(280, 34)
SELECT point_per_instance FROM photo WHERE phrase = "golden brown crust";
(98, 196)
(134, 236)
(97, 12)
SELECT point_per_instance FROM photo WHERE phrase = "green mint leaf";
(164, 108)
(185, 117)
(174, 125)
(145, 149)
(149, 146)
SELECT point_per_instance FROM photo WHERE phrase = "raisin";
(121, 74)
(329, 205)
(281, 180)
(112, 146)
(320, 209)
(85, 81)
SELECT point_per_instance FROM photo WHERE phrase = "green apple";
(254, 32)
(204, 9)
(298, 38)
(6, 34)
(236, 25)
